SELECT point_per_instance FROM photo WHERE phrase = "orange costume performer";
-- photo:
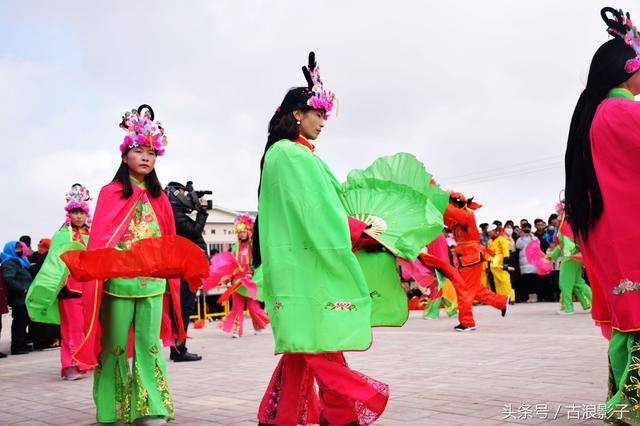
(470, 254)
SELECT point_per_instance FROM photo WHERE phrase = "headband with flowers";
(77, 199)
(142, 130)
(311, 97)
(621, 26)
(244, 222)
(320, 98)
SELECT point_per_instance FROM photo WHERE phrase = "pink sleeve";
(356, 227)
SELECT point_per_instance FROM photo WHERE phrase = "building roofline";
(226, 210)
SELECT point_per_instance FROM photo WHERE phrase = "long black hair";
(154, 188)
(282, 125)
(583, 199)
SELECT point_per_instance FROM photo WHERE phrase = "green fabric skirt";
(623, 399)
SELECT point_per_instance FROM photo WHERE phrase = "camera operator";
(185, 200)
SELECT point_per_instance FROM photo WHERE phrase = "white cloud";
(467, 87)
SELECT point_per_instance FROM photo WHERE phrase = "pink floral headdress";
(244, 222)
(142, 130)
(320, 98)
(77, 198)
(621, 26)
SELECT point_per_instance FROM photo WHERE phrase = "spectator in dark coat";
(15, 274)
(192, 230)
(38, 257)
(43, 335)
(4, 308)
(541, 230)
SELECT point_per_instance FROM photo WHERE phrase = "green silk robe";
(314, 289)
(42, 297)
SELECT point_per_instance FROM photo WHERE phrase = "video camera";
(187, 197)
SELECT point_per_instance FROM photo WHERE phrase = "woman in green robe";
(53, 296)
(314, 289)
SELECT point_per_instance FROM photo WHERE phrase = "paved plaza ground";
(532, 367)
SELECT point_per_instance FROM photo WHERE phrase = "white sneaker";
(71, 374)
(235, 336)
(586, 311)
(564, 313)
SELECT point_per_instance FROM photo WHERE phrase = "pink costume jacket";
(612, 251)
(112, 216)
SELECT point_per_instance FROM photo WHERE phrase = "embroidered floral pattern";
(341, 306)
(366, 415)
(142, 396)
(631, 388)
(270, 411)
(122, 391)
(143, 225)
(277, 305)
(625, 286)
(305, 392)
(163, 387)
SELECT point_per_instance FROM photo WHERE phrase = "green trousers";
(124, 393)
(571, 282)
(623, 400)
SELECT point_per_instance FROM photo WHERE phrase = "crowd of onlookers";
(529, 286)
(19, 265)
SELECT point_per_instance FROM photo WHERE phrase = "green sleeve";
(568, 246)
(314, 290)
(555, 254)
(389, 306)
(42, 297)
(258, 278)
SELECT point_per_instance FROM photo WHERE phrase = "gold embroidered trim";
(117, 351)
(122, 390)
(142, 396)
(163, 387)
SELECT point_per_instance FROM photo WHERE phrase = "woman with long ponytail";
(314, 290)
(603, 201)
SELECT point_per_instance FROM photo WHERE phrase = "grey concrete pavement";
(532, 367)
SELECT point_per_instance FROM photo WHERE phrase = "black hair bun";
(148, 108)
(615, 24)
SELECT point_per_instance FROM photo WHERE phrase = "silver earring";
(298, 122)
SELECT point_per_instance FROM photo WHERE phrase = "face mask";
(508, 231)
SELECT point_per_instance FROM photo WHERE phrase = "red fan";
(163, 257)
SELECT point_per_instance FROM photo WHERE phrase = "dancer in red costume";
(460, 218)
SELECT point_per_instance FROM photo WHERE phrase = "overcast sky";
(480, 91)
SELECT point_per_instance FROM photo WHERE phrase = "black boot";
(19, 350)
(186, 357)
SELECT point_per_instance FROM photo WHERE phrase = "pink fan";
(535, 256)
(416, 270)
(222, 267)
(251, 287)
